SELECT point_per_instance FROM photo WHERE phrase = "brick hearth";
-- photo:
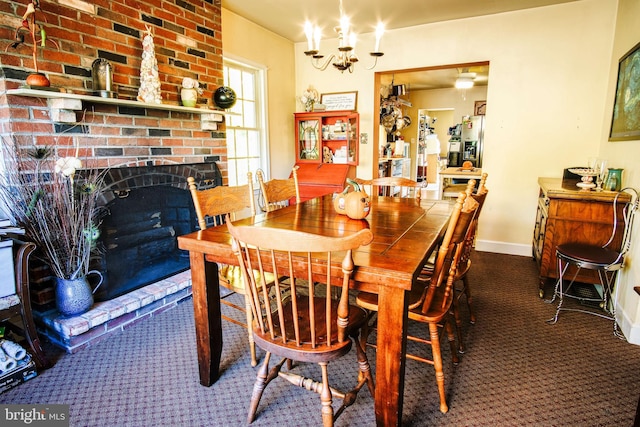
(109, 317)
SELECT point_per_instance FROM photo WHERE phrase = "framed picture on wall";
(479, 108)
(340, 101)
(625, 123)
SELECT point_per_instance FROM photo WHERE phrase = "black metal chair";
(606, 260)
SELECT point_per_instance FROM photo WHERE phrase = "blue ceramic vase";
(75, 296)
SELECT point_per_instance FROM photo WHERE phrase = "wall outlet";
(364, 138)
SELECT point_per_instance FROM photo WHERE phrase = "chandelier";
(346, 56)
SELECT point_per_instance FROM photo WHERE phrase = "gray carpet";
(517, 370)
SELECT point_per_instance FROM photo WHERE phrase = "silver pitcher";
(102, 73)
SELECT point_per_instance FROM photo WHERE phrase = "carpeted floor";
(517, 370)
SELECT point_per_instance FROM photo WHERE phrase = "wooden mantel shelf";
(70, 102)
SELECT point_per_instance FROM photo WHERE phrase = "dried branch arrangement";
(55, 202)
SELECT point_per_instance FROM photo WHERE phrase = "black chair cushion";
(587, 256)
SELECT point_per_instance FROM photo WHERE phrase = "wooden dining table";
(405, 231)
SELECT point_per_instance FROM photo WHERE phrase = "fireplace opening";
(146, 209)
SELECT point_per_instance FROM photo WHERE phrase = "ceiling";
(287, 17)
(436, 78)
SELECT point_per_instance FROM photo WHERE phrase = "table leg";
(206, 308)
(390, 360)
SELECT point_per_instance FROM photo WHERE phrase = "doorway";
(432, 90)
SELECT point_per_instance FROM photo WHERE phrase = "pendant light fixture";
(465, 80)
(346, 56)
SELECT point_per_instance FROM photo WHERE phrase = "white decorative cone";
(149, 90)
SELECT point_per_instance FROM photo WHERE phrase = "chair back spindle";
(292, 254)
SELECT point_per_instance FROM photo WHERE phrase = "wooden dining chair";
(431, 300)
(310, 325)
(278, 193)
(395, 186)
(211, 206)
(462, 284)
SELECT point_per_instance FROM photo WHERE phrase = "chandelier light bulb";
(308, 31)
(352, 40)
(317, 36)
(379, 33)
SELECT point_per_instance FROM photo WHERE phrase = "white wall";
(625, 154)
(546, 97)
(244, 40)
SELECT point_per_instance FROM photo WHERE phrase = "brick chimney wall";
(188, 43)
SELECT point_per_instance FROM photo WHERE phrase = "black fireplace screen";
(147, 208)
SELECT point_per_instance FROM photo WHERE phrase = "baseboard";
(503, 248)
(631, 332)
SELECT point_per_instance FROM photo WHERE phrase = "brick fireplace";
(188, 43)
(146, 208)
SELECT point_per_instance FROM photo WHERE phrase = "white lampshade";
(465, 80)
(464, 83)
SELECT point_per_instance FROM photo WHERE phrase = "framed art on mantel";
(625, 123)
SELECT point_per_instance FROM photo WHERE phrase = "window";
(246, 135)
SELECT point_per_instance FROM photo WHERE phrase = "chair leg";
(467, 292)
(458, 320)
(364, 375)
(451, 337)
(252, 344)
(559, 290)
(325, 398)
(258, 388)
(437, 363)
(34, 342)
(366, 329)
(608, 281)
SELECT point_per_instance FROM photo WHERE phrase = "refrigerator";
(472, 139)
(454, 153)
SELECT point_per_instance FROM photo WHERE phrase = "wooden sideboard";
(568, 214)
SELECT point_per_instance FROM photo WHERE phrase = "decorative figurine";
(149, 90)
